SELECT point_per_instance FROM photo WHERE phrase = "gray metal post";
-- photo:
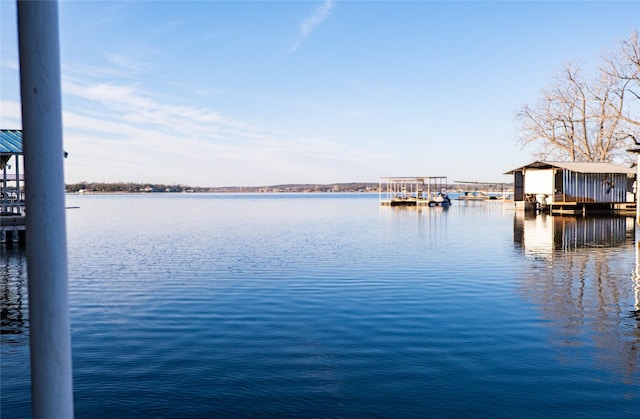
(51, 374)
(19, 194)
(4, 187)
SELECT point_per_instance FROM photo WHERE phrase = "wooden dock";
(12, 229)
(627, 209)
(12, 216)
(615, 208)
(12, 195)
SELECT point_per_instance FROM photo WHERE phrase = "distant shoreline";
(95, 187)
(352, 187)
(217, 192)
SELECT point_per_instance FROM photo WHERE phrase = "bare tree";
(580, 120)
(623, 67)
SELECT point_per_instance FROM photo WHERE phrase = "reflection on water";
(14, 333)
(636, 285)
(580, 278)
(422, 218)
(13, 294)
(188, 305)
(543, 235)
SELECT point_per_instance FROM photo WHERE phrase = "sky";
(252, 93)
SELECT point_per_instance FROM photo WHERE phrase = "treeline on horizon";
(132, 187)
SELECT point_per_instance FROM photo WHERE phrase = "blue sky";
(214, 93)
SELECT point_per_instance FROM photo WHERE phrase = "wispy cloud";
(311, 23)
(126, 64)
(10, 64)
(128, 104)
(97, 72)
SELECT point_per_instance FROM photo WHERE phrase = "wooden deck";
(12, 228)
(617, 208)
(579, 208)
(12, 215)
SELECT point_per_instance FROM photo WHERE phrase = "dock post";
(50, 340)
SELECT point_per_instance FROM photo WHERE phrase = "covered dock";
(12, 195)
(414, 191)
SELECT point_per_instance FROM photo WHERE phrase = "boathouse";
(574, 188)
(12, 198)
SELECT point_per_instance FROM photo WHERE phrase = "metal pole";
(5, 192)
(51, 373)
(18, 193)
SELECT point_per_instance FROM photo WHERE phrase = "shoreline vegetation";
(128, 187)
(124, 187)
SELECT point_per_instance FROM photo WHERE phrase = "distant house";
(573, 187)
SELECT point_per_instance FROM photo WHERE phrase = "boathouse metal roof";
(577, 167)
(11, 141)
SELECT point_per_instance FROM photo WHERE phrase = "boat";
(441, 199)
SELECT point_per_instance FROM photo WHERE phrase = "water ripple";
(334, 307)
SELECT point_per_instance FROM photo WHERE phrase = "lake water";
(329, 305)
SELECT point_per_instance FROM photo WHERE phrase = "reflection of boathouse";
(579, 274)
(414, 191)
(543, 235)
(12, 198)
(574, 188)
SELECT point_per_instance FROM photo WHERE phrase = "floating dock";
(414, 191)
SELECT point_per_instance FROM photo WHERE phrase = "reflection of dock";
(543, 235)
(13, 287)
(414, 191)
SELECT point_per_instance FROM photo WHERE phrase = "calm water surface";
(328, 305)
